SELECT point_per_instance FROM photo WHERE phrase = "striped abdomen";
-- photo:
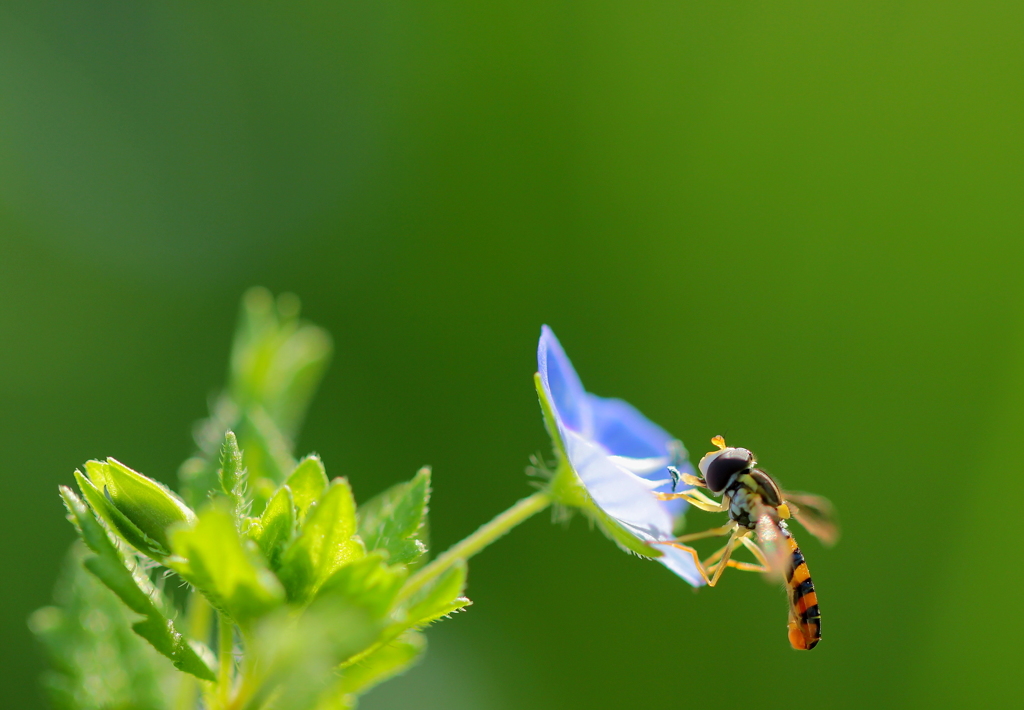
(804, 617)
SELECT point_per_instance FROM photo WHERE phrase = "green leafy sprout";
(262, 586)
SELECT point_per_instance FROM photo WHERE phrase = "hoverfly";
(758, 508)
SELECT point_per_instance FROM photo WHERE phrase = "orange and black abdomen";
(804, 617)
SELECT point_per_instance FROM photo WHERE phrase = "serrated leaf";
(232, 474)
(213, 557)
(308, 482)
(120, 525)
(384, 663)
(148, 504)
(96, 661)
(326, 542)
(277, 361)
(392, 520)
(440, 598)
(294, 658)
(135, 590)
(268, 450)
(334, 699)
(273, 530)
(368, 583)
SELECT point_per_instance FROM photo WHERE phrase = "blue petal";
(681, 563)
(624, 431)
(561, 383)
(621, 494)
(619, 455)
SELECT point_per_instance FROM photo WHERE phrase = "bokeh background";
(795, 223)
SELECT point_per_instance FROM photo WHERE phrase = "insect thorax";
(746, 491)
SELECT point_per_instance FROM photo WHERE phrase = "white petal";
(618, 491)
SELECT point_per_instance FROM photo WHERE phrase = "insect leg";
(696, 499)
(756, 551)
(726, 553)
(703, 567)
(712, 532)
(686, 548)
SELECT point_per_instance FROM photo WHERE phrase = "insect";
(759, 509)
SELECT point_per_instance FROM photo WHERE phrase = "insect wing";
(773, 543)
(816, 514)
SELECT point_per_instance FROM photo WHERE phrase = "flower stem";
(226, 658)
(484, 536)
(197, 620)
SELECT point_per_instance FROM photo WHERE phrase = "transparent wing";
(816, 514)
(773, 541)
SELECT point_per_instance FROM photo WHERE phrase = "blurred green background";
(795, 223)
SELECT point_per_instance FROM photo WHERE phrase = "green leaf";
(232, 474)
(393, 520)
(367, 583)
(115, 519)
(325, 543)
(384, 663)
(273, 530)
(149, 505)
(96, 661)
(441, 598)
(213, 557)
(308, 482)
(277, 361)
(136, 591)
(268, 450)
(294, 658)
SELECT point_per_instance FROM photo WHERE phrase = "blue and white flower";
(620, 457)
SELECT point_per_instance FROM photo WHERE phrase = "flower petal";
(682, 564)
(624, 431)
(562, 384)
(618, 492)
(619, 455)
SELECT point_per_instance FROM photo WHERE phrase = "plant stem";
(226, 658)
(198, 617)
(484, 536)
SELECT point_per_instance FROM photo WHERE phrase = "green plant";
(263, 584)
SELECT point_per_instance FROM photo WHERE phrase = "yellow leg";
(711, 562)
(713, 532)
(693, 553)
(698, 495)
(696, 499)
(711, 569)
(725, 553)
(762, 565)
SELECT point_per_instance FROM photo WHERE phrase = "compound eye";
(719, 470)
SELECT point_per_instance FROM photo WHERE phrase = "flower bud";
(148, 505)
